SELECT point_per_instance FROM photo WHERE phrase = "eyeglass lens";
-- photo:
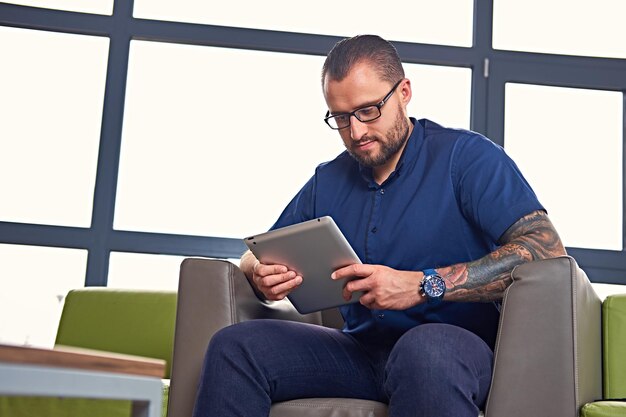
(365, 114)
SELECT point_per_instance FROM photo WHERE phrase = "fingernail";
(333, 276)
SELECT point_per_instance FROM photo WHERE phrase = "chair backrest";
(133, 322)
(332, 318)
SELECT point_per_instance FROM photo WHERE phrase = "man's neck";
(383, 172)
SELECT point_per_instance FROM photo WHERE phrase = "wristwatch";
(433, 287)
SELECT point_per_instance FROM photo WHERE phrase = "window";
(425, 21)
(216, 132)
(570, 27)
(34, 282)
(52, 88)
(92, 6)
(604, 290)
(144, 271)
(568, 144)
(442, 94)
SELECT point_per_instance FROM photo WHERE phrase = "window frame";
(491, 69)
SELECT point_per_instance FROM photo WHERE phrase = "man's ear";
(405, 91)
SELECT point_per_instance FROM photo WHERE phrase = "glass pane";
(442, 94)
(33, 283)
(426, 21)
(210, 133)
(568, 27)
(52, 88)
(604, 290)
(206, 128)
(144, 271)
(91, 6)
(568, 144)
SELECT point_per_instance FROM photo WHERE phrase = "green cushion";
(604, 409)
(614, 346)
(133, 322)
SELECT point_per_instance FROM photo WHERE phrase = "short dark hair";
(363, 48)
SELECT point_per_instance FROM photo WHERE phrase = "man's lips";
(364, 144)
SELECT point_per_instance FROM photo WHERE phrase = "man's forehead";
(357, 89)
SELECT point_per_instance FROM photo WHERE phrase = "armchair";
(547, 358)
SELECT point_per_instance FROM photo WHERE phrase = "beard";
(395, 138)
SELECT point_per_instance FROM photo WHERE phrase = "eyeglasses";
(364, 114)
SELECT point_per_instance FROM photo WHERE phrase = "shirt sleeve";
(491, 190)
(301, 208)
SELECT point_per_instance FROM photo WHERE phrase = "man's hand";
(384, 288)
(274, 281)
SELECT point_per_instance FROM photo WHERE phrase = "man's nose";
(357, 128)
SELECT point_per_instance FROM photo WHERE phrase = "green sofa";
(614, 361)
(133, 322)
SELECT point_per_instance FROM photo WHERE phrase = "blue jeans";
(432, 370)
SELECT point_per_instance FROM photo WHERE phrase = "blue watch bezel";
(429, 275)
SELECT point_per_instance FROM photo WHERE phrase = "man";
(439, 217)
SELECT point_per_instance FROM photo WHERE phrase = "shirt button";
(381, 316)
(382, 191)
(374, 229)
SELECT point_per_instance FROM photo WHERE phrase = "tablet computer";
(314, 249)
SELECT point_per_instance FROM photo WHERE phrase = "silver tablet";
(314, 249)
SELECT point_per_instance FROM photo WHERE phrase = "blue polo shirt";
(451, 197)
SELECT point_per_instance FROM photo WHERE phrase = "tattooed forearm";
(530, 238)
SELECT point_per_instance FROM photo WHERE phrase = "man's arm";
(531, 238)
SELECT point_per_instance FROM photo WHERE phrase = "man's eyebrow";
(373, 103)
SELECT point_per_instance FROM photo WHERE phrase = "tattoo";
(530, 238)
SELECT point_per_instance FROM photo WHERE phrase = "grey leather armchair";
(547, 357)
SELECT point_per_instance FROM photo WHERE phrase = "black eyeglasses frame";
(354, 113)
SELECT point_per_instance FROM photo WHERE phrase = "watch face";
(434, 286)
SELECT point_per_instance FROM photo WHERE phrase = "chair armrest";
(212, 294)
(548, 358)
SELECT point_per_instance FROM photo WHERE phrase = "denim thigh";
(252, 364)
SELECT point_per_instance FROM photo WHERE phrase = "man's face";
(378, 142)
